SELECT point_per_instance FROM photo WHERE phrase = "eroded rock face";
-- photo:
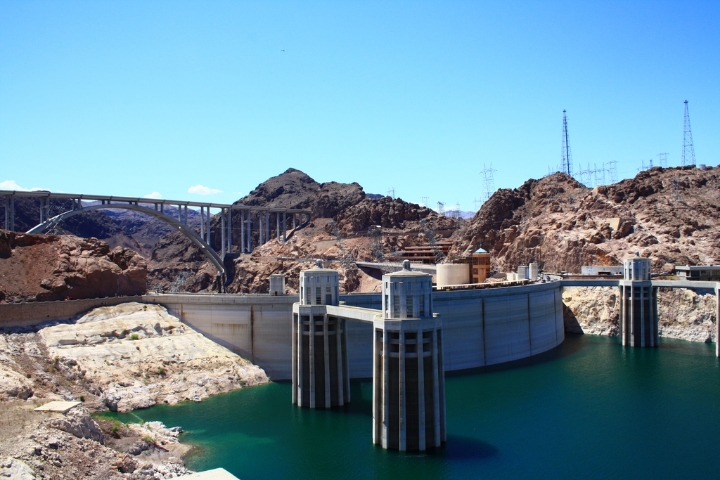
(138, 355)
(49, 267)
(388, 213)
(682, 313)
(668, 215)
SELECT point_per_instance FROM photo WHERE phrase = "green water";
(588, 409)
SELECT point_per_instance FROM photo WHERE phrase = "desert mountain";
(667, 214)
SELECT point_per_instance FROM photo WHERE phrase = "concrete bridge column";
(284, 227)
(260, 230)
(202, 223)
(10, 213)
(249, 232)
(267, 227)
(222, 233)
(229, 230)
(294, 216)
(208, 226)
(242, 231)
(277, 227)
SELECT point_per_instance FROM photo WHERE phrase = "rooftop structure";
(698, 272)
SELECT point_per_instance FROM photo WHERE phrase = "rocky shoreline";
(682, 314)
(116, 358)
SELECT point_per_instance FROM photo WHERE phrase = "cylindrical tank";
(453, 274)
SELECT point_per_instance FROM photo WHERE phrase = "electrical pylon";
(565, 155)
(688, 151)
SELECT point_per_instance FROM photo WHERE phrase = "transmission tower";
(565, 156)
(688, 151)
(612, 171)
(488, 182)
(441, 208)
(391, 192)
(662, 159)
(600, 175)
(424, 201)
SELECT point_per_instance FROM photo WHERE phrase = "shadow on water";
(467, 449)
(574, 342)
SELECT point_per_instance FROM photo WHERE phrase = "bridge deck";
(149, 201)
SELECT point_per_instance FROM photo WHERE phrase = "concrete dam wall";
(480, 327)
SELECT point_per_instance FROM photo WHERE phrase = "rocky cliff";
(50, 267)
(669, 215)
(341, 215)
(682, 313)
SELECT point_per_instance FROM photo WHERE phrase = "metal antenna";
(662, 159)
(565, 155)
(488, 182)
(688, 151)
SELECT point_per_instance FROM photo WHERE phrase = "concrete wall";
(480, 327)
(256, 327)
(33, 313)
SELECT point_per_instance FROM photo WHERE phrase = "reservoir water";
(588, 409)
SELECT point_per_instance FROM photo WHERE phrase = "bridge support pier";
(242, 231)
(284, 227)
(267, 227)
(638, 305)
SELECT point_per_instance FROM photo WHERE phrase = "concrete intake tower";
(408, 370)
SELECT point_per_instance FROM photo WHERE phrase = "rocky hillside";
(338, 232)
(669, 215)
(50, 267)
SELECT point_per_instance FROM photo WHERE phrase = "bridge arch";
(211, 255)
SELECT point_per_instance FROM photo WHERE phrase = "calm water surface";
(588, 409)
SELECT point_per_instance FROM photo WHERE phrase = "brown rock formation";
(337, 232)
(388, 213)
(682, 313)
(669, 215)
(49, 267)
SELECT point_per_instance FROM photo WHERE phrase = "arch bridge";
(284, 218)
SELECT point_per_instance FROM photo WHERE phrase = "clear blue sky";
(135, 97)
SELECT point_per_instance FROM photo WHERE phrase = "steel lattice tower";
(565, 154)
(688, 151)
